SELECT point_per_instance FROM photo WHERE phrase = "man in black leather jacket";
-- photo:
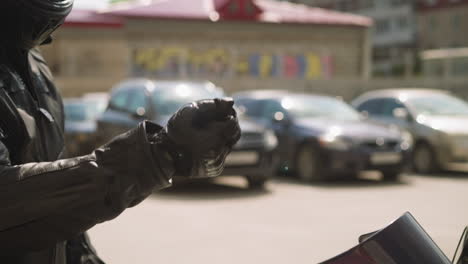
(47, 203)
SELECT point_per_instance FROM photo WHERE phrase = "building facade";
(442, 39)
(394, 38)
(258, 43)
(441, 24)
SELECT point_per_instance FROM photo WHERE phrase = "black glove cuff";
(180, 158)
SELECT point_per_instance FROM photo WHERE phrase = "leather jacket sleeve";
(45, 203)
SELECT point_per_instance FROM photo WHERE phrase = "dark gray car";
(436, 119)
(321, 136)
(80, 123)
(141, 99)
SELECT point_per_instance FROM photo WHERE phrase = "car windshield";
(438, 104)
(168, 98)
(318, 106)
(83, 110)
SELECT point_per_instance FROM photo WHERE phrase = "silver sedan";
(437, 120)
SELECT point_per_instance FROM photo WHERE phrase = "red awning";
(266, 11)
(90, 18)
(285, 12)
(175, 9)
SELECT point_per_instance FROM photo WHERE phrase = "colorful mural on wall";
(173, 62)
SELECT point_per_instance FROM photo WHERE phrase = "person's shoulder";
(37, 55)
(36, 58)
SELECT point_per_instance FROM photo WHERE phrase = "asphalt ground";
(288, 222)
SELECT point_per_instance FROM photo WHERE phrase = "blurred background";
(352, 111)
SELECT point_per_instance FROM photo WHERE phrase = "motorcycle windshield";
(402, 242)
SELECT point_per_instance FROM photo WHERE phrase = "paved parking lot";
(289, 222)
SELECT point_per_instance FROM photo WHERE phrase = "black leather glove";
(199, 136)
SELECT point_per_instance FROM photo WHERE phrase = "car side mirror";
(281, 119)
(401, 113)
(140, 113)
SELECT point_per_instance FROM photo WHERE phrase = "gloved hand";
(199, 136)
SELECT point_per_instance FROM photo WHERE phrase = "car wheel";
(308, 167)
(424, 160)
(391, 175)
(256, 181)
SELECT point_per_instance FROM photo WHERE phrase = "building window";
(434, 67)
(459, 66)
(366, 4)
(456, 21)
(430, 2)
(399, 2)
(348, 5)
(342, 5)
(354, 5)
(382, 26)
(402, 22)
(432, 22)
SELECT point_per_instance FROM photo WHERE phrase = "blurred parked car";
(136, 100)
(436, 119)
(80, 122)
(99, 100)
(321, 136)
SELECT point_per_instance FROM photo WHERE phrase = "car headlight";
(335, 143)
(270, 140)
(406, 140)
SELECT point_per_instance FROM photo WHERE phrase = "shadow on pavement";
(445, 174)
(350, 182)
(209, 190)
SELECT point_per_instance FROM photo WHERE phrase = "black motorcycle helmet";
(25, 24)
